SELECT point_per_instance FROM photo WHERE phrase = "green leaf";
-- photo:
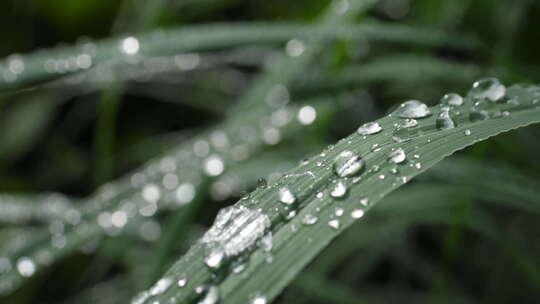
(296, 244)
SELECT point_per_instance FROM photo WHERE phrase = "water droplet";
(364, 201)
(369, 128)
(444, 121)
(357, 213)
(338, 212)
(397, 156)
(309, 219)
(407, 123)
(213, 165)
(214, 258)
(490, 88)
(307, 115)
(236, 229)
(182, 283)
(26, 267)
(185, 193)
(413, 109)
(286, 196)
(259, 300)
(339, 190)
(295, 48)
(452, 99)
(151, 193)
(334, 224)
(347, 163)
(211, 295)
(467, 132)
(130, 45)
(161, 286)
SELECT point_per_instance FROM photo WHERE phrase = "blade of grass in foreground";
(257, 246)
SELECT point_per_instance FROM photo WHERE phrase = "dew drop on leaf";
(357, 213)
(488, 88)
(259, 300)
(369, 128)
(286, 196)
(309, 219)
(413, 109)
(211, 295)
(334, 224)
(452, 99)
(398, 156)
(339, 190)
(444, 121)
(181, 283)
(467, 132)
(347, 163)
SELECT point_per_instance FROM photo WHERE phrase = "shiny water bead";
(407, 123)
(444, 120)
(357, 213)
(347, 163)
(213, 165)
(369, 128)
(181, 283)
(452, 99)
(259, 300)
(236, 229)
(488, 88)
(309, 219)
(161, 286)
(334, 224)
(130, 46)
(307, 115)
(211, 295)
(397, 156)
(286, 196)
(26, 266)
(413, 109)
(339, 190)
(467, 132)
(295, 47)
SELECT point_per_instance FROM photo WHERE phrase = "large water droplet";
(444, 120)
(369, 128)
(286, 196)
(490, 88)
(452, 99)
(397, 156)
(236, 229)
(339, 190)
(413, 109)
(347, 163)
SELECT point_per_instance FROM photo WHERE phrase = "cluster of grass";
(117, 152)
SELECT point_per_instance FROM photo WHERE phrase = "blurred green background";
(73, 138)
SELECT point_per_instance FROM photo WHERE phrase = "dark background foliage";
(74, 140)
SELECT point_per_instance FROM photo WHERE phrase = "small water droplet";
(413, 109)
(398, 156)
(339, 190)
(181, 283)
(369, 128)
(295, 48)
(259, 300)
(444, 121)
(307, 115)
(338, 212)
(490, 88)
(26, 267)
(309, 219)
(357, 213)
(130, 45)
(364, 201)
(452, 99)
(213, 165)
(347, 163)
(214, 258)
(467, 132)
(334, 224)
(211, 295)
(286, 196)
